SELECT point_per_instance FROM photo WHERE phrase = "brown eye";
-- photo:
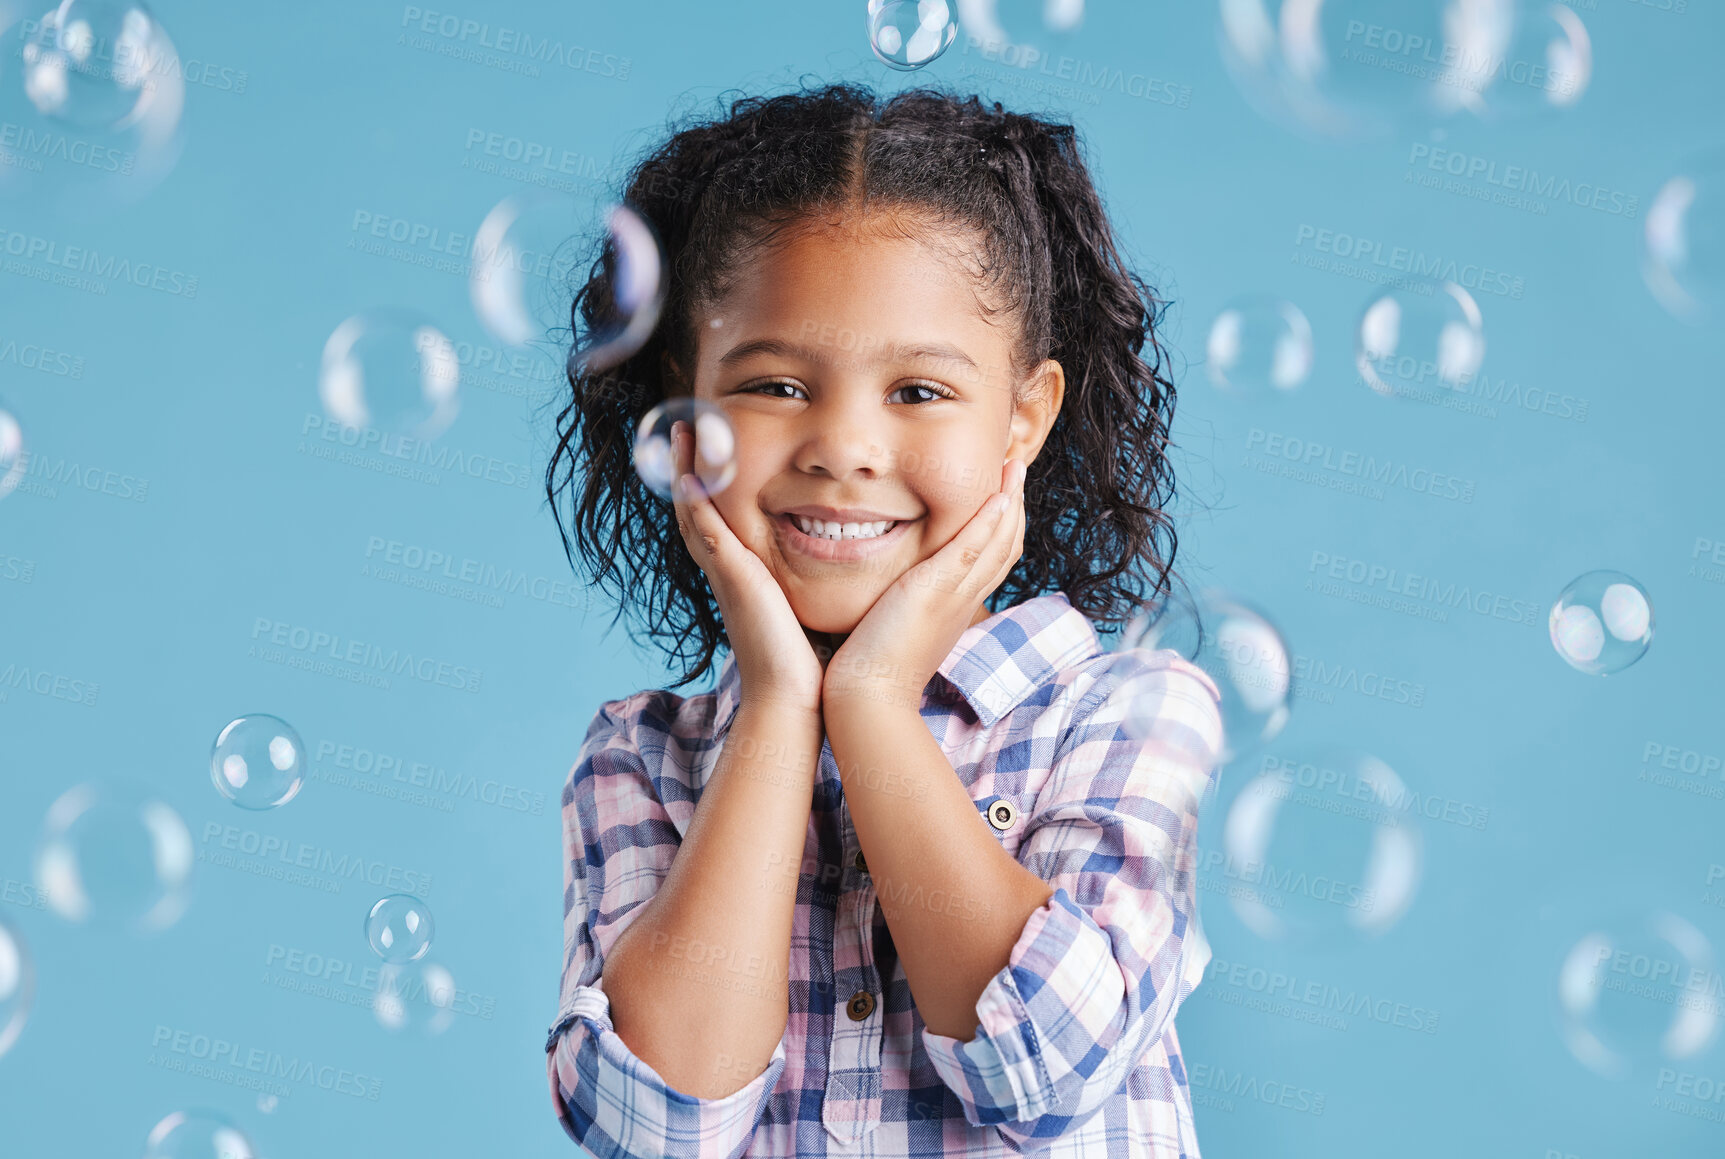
(934, 392)
(762, 387)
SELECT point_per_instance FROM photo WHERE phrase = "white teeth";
(821, 529)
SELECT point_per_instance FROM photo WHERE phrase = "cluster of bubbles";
(1421, 334)
(103, 76)
(413, 993)
(1359, 69)
(395, 371)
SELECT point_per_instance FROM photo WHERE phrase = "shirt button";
(861, 1005)
(859, 862)
(1002, 814)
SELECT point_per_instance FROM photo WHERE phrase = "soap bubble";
(622, 318)
(908, 34)
(197, 1135)
(1238, 647)
(1602, 623)
(392, 370)
(660, 463)
(115, 856)
(17, 985)
(1259, 345)
(1683, 241)
(13, 460)
(523, 259)
(1637, 993)
(998, 23)
(415, 996)
(1321, 846)
(1361, 69)
(399, 928)
(258, 762)
(1530, 56)
(98, 82)
(1427, 335)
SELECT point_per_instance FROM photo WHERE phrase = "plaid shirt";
(1075, 1054)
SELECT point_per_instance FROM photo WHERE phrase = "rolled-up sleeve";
(618, 845)
(1099, 970)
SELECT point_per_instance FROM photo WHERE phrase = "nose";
(841, 437)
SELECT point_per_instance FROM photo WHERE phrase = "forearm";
(955, 900)
(698, 982)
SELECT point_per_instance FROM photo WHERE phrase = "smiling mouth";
(824, 529)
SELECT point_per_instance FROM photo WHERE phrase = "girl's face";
(864, 386)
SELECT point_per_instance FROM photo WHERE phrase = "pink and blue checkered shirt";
(1075, 1055)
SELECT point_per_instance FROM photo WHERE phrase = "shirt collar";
(996, 663)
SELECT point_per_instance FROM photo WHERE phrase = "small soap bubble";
(1418, 338)
(523, 261)
(258, 762)
(13, 460)
(1524, 57)
(1320, 846)
(1638, 993)
(1602, 623)
(102, 82)
(393, 371)
(1683, 241)
(620, 318)
(1259, 345)
(267, 1104)
(115, 856)
(1241, 651)
(197, 1135)
(17, 985)
(660, 461)
(908, 34)
(416, 997)
(399, 928)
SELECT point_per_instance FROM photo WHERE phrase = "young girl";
(904, 884)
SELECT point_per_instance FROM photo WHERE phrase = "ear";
(1034, 417)
(672, 376)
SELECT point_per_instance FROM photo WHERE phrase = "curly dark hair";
(718, 188)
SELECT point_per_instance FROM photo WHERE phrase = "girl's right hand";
(775, 659)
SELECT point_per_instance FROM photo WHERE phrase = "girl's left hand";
(900, 643)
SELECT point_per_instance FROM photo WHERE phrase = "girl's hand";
(775, 659)
(901, 642)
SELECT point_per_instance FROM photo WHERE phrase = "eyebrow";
(883, 352)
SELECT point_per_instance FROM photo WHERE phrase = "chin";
(836, 611)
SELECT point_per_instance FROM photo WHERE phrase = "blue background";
(209, 398)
